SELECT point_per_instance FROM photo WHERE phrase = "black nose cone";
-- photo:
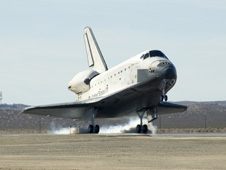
(170, 72)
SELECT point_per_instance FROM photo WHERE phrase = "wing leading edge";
(167, 108)
(73, 110)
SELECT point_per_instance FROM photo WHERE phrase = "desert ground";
(122, 151)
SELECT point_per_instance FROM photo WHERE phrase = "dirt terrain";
(124, 151)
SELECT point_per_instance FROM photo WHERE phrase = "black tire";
(97, 129)
(90, 129)
(145, 128)
(166, 98)
(138, 128)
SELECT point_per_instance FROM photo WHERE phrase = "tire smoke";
(129, 127)
(152, 128)
(59, 130)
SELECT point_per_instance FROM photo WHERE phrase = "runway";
(173, 135)
(113, 151)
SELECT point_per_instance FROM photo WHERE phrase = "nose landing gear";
(164, 96)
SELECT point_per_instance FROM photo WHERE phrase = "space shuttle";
(136, 87)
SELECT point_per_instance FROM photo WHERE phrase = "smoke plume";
(59, 130)
(129, 127)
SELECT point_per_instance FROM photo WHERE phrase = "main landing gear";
(93, 128)
(151, 116)
(141, 128)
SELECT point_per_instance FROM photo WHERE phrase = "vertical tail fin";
(95, 57)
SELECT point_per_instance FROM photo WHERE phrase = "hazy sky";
(42, 46)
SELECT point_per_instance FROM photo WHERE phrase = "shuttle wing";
(73, 110)
(167, 108)
(81, 110)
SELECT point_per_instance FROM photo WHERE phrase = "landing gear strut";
(93, 128)
(164, 96)
(141, 128)
(151, 116)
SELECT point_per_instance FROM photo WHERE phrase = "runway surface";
(113, 151)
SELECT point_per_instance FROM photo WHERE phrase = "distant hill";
(198, 115)
(11, 119)
(12, 106)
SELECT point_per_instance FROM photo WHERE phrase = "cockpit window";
(153, 53)
(156, 53)
(146, 55)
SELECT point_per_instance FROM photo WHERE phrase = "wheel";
(145, 128)
(96, 129)
(138, 128)
(90, 129)
(166, 98)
